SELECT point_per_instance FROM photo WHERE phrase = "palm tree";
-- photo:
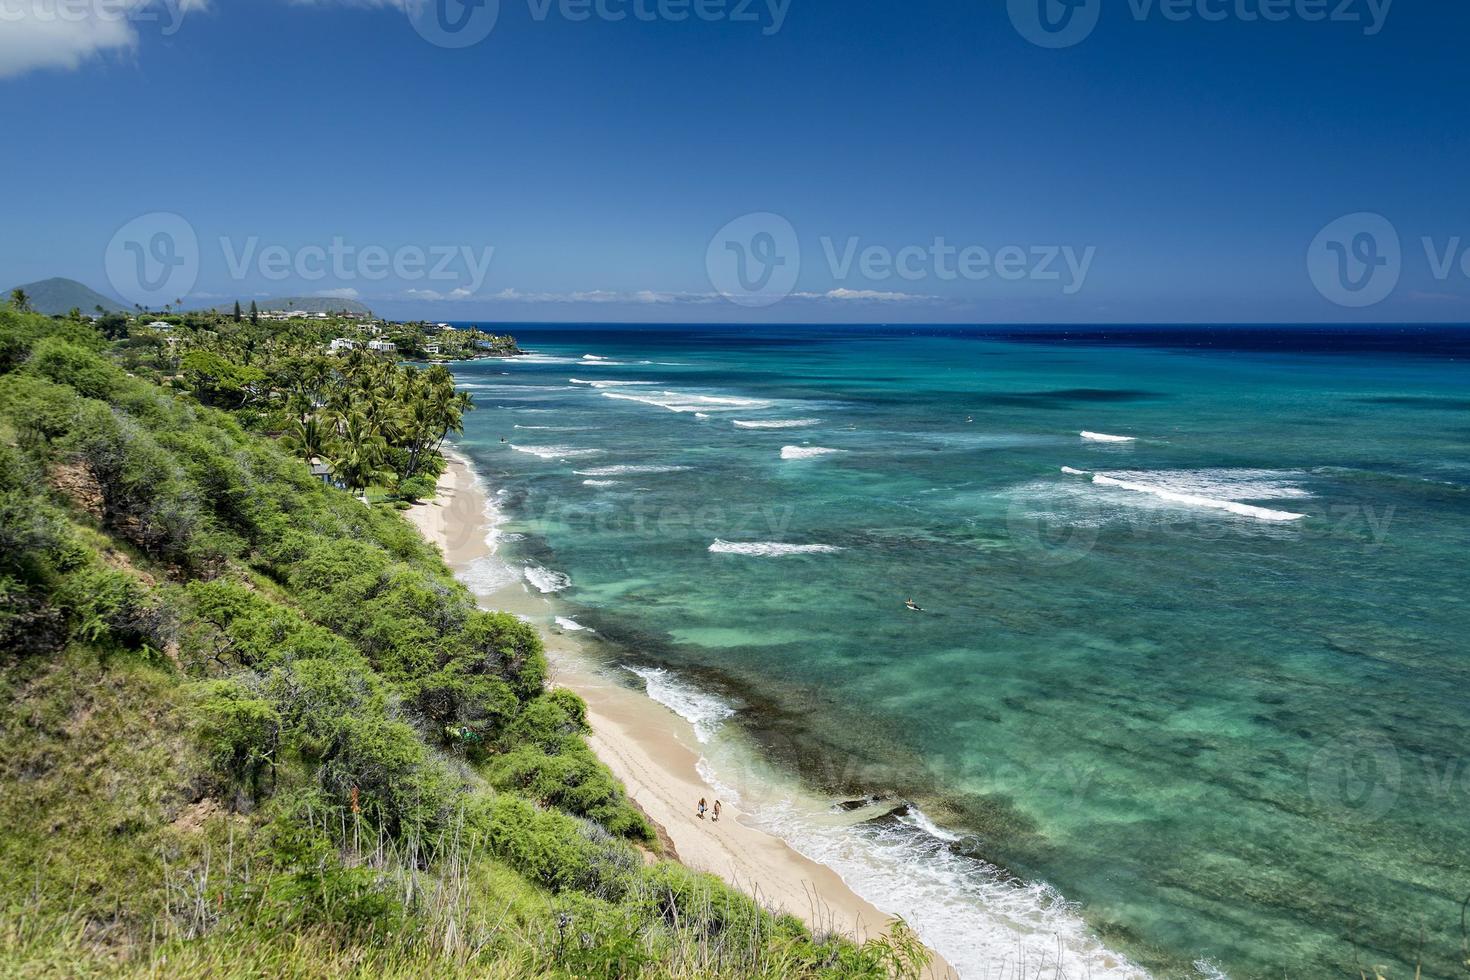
(20, 300)
(358, 458)
(308, 438)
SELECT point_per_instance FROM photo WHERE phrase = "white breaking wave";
(917, 818)
(612, 384)
(806, 452)
(770, 549)
(554, 428)
(493, 515)
(571, 625)
(1104, 437)
(557, 452)
(705, 712)
(777, 424)
(1211, 489)
(546, 580)
(539, 359)
(592, 357)
(486, 576)
(601, 483)
(675, 401)
(630, 470)
(970, 912)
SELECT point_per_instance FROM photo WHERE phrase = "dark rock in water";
(847, 806)
(891, 816)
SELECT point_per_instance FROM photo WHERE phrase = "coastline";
(649, 748)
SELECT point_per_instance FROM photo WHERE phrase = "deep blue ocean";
(1190, 690)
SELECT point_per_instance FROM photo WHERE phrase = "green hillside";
(55, 297)
(251, 726)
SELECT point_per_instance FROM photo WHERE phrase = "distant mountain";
(53, 296)
(309, 304)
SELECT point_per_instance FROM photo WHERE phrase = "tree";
(358, 458)
(20, 300)
(308, 438)
(254, 312)
(237, 311)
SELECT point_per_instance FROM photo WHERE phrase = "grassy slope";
(224, 695)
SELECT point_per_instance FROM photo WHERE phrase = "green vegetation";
(250, 726)
(373, 421)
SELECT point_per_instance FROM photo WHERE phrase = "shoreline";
(650, 749)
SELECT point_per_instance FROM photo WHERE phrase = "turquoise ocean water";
(1193, 688)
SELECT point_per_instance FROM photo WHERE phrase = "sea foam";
(630, 470)
(705, 712)
(684, 402)
(776, 424)
(806, 452)
(611, 384)
(971, 912)
(770, 549)
(485, 576)
(1104, 437)
(546, 580)
(1210, 489)
(571, 625)
(557, 452)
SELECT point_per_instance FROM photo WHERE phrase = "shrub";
(241, 732)
(63, 362)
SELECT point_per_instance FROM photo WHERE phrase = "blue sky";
(904, 162)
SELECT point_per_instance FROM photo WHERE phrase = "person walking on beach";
(702, 808)
(717, 811)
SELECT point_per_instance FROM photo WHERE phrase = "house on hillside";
(323, 472)
(160, 325)
(382, 346)
(341, 344)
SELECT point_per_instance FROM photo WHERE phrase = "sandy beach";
(654, 751)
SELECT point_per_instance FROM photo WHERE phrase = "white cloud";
(842, 294)
(64, 34)
(346, 293)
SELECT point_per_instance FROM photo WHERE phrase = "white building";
(342, 343)
(160, 325)
(382, 346)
